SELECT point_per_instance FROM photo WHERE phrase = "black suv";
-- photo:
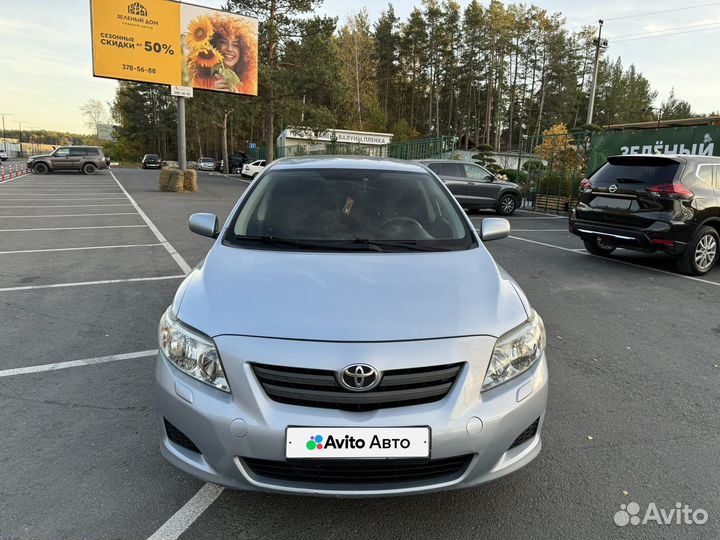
(668, 203)
(150, 161)
(475, 187)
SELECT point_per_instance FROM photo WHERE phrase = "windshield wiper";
(278, 241)
(355, 244)
(378, 245)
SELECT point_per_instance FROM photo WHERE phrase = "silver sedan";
(348, 334)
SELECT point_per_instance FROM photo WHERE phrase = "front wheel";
(507, 205)
(89, 168)
(40, 168)
(701, 253)
(597, 246)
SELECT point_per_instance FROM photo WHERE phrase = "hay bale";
(190, 182)
(171, 180)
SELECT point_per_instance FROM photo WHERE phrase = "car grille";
(361, 471)
(526, 435)
(319, 388)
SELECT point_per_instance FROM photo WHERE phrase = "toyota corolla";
(348, 334)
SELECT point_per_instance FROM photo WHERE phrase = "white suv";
(3, 155)
(253, 169)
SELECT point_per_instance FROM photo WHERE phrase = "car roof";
(423, 161)
(679, 158)
(347, 162)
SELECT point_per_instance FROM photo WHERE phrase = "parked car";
(475, 187)
(668, 203)
(325, 347)
(3, 155)
(206, 164)
(251, 170)
(236, 163)
(87, 159)
(151, 161)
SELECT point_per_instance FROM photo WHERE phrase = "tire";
(40, 168)
(89, 168)
(597, 247)
(254, 175)
(507, 205)
(701, 253)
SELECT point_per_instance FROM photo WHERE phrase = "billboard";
(698, 140)
(172, 43)
(106, 132)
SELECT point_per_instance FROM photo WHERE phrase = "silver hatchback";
(349, 334)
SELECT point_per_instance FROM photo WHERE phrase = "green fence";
(439, 147)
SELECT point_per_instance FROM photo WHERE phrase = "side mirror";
(490, 178)
(494, 229)
(205, 225)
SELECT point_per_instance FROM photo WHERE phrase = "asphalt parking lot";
(89, 263)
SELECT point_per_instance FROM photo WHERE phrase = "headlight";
(516, 351)
(191, 352)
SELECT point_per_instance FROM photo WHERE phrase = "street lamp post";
(20, 123)
(3, 128)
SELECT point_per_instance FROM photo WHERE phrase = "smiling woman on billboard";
(220, 51)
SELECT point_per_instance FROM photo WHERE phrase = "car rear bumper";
(660, 236)
(231, 436)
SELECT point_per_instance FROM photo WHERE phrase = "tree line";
(488, 75)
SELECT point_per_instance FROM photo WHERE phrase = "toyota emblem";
(612, 189)
(359, 377)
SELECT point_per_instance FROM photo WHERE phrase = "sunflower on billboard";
(221, 53)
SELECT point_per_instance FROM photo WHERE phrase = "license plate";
(350, 443)
(611, 203)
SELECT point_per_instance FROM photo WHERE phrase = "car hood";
(349, 296)
(40, 156)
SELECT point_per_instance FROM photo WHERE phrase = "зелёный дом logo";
(137, 9)
(629, 514)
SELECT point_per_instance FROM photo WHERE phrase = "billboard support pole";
(182, 155)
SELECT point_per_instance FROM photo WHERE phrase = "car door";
(59, 159)
(482, 191)
(76, 158)
(452, 176)
(716, 182)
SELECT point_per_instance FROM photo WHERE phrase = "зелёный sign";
(165, 42)
(697, 140)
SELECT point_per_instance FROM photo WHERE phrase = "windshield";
(350, 209)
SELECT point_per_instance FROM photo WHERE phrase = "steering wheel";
(401, 219)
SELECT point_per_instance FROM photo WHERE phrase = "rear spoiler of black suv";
(644, 159)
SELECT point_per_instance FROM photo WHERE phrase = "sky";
(46, 64)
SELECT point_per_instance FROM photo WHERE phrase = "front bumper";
(226, 428)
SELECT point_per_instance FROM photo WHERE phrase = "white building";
(303, 141)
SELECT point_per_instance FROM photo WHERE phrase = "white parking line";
(585, 253)
(73, 228)
(184, 266)
(3, 182)
(76, 363)
(60, 205)
(73, 215)
(186, 516)
(76, 249)
(85, 283)
(65, 199)
(513, 217)
(543, 214)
